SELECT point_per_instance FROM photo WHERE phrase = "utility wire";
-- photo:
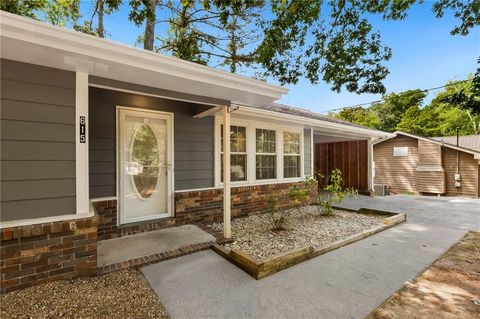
(382, 100)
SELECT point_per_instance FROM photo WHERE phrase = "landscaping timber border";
(259, 269)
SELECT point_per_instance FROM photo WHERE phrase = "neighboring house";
(408, 163)
(101, 140)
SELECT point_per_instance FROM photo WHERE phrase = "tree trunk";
(100, 8)
(150, 27)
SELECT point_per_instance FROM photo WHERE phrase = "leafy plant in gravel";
(278, 214)
(300, 198)
(333, 192)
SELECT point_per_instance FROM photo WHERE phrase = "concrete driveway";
(346, 283)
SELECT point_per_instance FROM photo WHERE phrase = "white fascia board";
(98, 53)
(359, 131)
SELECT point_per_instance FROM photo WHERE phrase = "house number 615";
(83, 137)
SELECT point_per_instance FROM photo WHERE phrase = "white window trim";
(277, 160)
(234, 153)
(302, 163)
(251, 126)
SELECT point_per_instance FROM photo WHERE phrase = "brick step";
(154, 258)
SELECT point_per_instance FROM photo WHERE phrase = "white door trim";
(169, 117)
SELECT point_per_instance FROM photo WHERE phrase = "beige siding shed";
(398, 172)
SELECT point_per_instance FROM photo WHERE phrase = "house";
(413, 164)
(101, 140)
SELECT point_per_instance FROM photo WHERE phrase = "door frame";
(169, 117)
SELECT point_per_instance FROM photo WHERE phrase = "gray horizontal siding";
(193, 140)
(19, 71)
(37, 141)
(37, 189)
(38, 93)
(31, 170)
(37, 131)
(28, 111)
(37, 207)
(307, 151)
(37, 151)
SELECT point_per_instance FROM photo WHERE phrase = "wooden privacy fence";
(349, 157)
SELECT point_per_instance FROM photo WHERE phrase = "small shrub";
(300, 198)
(311, 181)
(333, 192)
(278, 215)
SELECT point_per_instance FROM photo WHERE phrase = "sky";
(425, 55)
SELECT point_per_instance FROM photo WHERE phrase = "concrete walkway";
(346, 283)
(116, 250)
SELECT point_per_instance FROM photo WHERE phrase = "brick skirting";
(206, 206)
(46, 252)
(198, 207)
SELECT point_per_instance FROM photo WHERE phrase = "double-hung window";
(291, 155)
(238, 153)
(266, 154)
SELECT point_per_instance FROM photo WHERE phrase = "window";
(238, 153)
(259, 153)
(266, 154)
(400, 151)
(291, 155)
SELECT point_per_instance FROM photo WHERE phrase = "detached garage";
(412, 164)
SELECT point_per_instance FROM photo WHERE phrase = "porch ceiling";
(30, 41)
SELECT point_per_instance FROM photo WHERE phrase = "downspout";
(370, 167)
(458, 158)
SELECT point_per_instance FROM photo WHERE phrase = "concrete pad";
(348, 282)
(144, 244)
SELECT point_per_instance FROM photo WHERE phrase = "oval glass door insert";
(145, 154)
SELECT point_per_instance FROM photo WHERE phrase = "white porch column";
(81, 142)
(227, 233)
(371, 165)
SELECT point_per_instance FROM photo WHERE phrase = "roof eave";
(364, 132)
(90, 52)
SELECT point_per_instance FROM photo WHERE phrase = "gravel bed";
(253, 234)
(121, 294)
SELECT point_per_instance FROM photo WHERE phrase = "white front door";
(145, 146)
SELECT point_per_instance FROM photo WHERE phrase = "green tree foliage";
(468, 12)
(145, 12)
(346, 51)
(100, 9)
(185, 38)
(59, 12)
(453, 107)
(466, 96)
(321, 40)
(394, 105)
(26, 8)
(239, 19)
(359, 115)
